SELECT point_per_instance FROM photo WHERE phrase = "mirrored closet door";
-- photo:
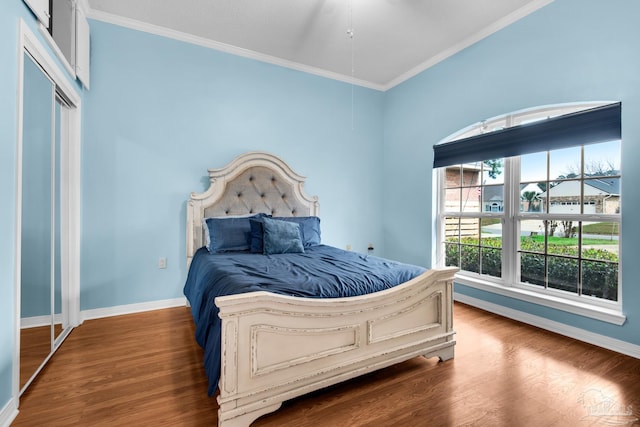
(43, 317)
(59, 295)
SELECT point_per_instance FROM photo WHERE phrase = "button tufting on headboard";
(253, 183)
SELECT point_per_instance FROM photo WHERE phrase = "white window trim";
(609, 315)
(607, 311)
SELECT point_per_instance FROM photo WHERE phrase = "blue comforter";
(321, 272)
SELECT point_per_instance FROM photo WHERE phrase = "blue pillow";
(228, 234)
(309, 228)
(281, 237)
(256, 246)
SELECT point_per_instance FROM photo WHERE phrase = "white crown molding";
(83, 5)
(474, 38)
(223, 47)
(246, 53)
(9, 413)
(119, 310)
(619, 346)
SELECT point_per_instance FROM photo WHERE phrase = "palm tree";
(530, 198)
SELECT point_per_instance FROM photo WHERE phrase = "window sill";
(604, 314)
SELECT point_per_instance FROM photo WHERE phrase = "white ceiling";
(393, 39)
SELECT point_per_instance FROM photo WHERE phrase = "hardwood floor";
(36, 346)
(146, 369)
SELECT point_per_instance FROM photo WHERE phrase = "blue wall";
(161, 112)
(570, 50)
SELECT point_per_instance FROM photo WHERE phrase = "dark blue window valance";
(590, 126)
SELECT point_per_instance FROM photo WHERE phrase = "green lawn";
(490, 221)
(572, 241)
(606, 228)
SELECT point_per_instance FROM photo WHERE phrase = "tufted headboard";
(253, 182)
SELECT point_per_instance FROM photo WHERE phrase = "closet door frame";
(69, 181)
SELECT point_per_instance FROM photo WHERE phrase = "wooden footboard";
(276, 347)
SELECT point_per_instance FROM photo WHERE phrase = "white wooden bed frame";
(276, 347)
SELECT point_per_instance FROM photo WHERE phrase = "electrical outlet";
(348, 247)
(162, 262)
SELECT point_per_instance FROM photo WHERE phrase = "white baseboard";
(9, 413)
(37, 321)
(617, 345)
(119, 310)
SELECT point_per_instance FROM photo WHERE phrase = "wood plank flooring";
(146, 369)
(35, 343)
(36, 346)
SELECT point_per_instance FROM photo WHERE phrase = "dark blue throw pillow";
(229, 234)
(281, 237)
(309, 228)
(256, 246)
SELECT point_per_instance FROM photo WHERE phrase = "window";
(474, 204)
(541, 222)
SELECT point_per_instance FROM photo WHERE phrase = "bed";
(263, 347)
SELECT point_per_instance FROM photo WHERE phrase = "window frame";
(509, 284)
